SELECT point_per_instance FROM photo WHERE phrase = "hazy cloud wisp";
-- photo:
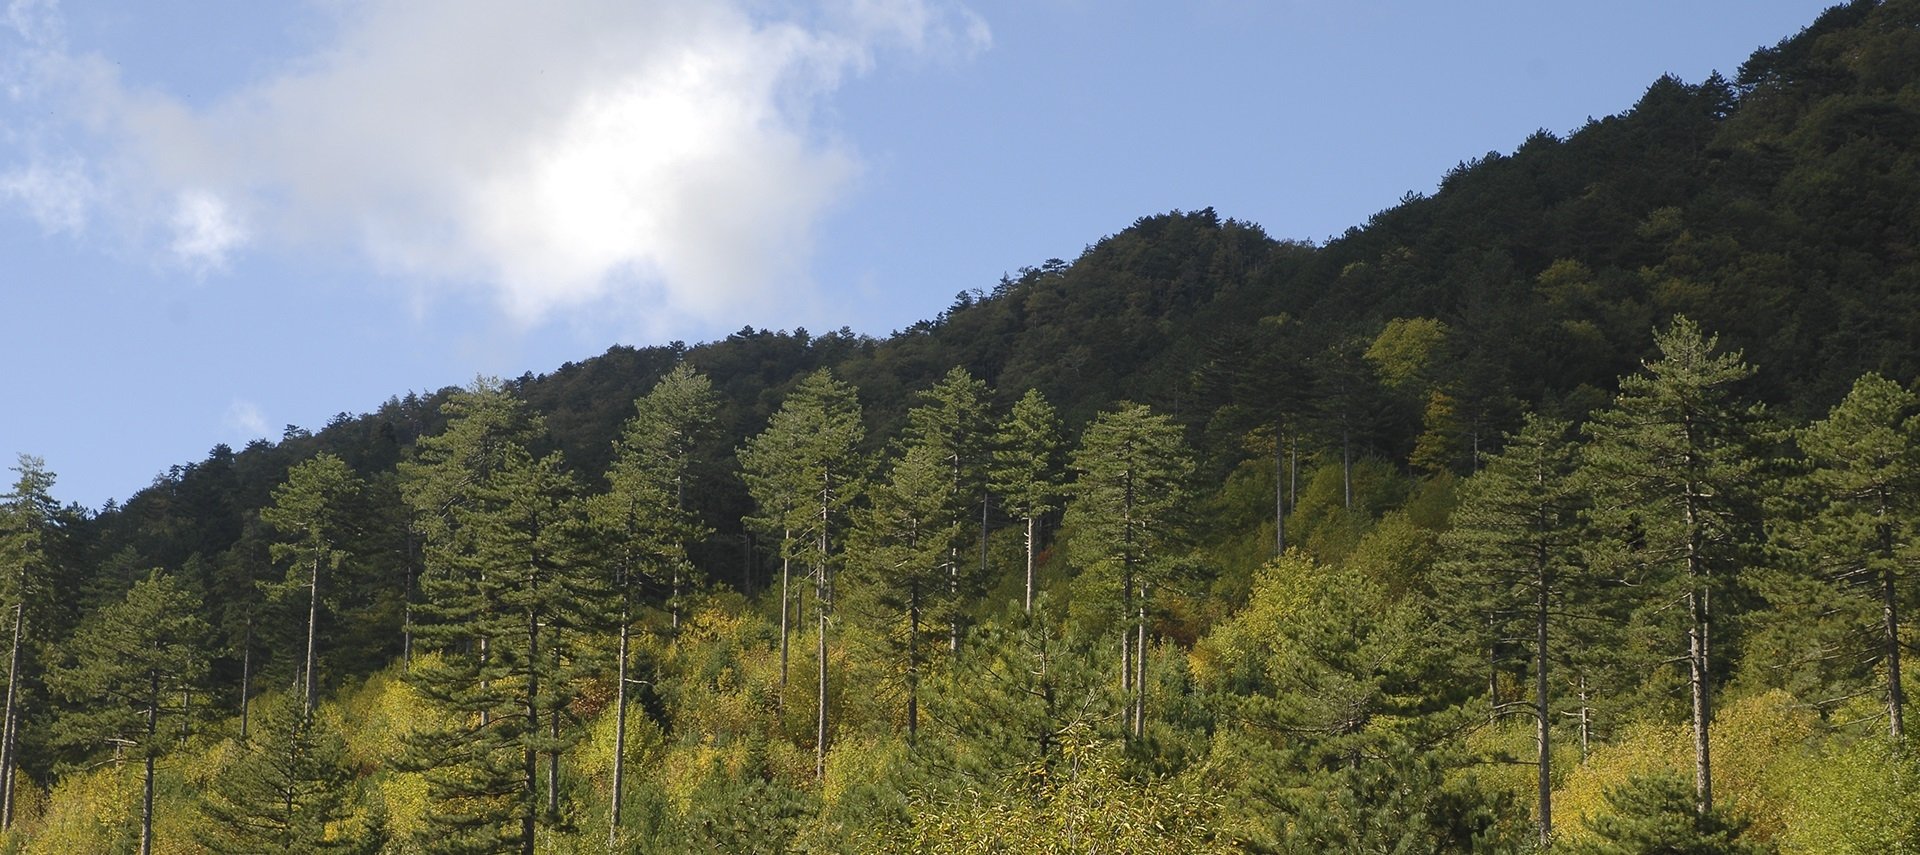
(556, 155)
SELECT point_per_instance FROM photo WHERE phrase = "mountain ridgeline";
(1571, 507)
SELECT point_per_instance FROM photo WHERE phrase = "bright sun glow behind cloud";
(661, 156)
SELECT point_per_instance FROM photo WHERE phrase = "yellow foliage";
(1643, 750)
(92, 811)
(1281, 590)
(377, 716)
(405, 795)
(1759, 745)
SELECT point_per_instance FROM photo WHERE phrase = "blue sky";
(218, 219)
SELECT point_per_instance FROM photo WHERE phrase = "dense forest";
(1574, 507)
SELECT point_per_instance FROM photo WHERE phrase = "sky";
(219, 219)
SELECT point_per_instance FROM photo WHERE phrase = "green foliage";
(506, 590)
(127, 667)
(283, 790)
(1399, 801)
(1656, 814)
(1341, 707)
(1130, 495)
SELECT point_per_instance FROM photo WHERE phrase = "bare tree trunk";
(619, 734)
(1346, 467)
(406, 609)
(913, 662)
(786, 566)
(146, 792)
(7, 735)
(1890, 632)
(313, 621)
(1543, 734)
(530, 761)
(953, 605)
(1697, 663)
(1279, 496)
(1889, 637)
(246, 677)
(553, 766)
(1586, 721)
(1029, 604)
(1140, 666)
(820, 721)
(1126, 650)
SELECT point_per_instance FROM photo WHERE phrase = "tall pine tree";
(126, 666)
(1026, 468)
(1864, 530)
(1674, 470)
(1513, 565)
(1129, 503)
(806, 471)
(505, 593)
(312, 508)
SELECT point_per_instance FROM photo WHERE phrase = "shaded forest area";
(1573, 506)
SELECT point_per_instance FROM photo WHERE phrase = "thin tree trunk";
(1029, 603)
(246, 677)
(1126, 649)
(146, 791)
(530, 762)
(1542, 735)
(820, 719)
(619, 734)
(1293, 471)
(913, 662)
(313, 619)
(1279, 496)
(1140, 666)
(821, 596)
(1890, 629)
(1346, 467)
(406, 609)
(1586, 722)
(786, 565)
(553, 766)
(1889, 637)
(12, 749)
(984, 503)
(953, 604)
(1697, 663)
(7, 737)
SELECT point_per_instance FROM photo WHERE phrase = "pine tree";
(1674, 470)
(29, 529)
(285, 788)
(1026, 470)
(806, 471)
(126, 664)
(899, 545)
(312, 507)
(505, 593)
(1512, 559)
(644, 515)
(953, 420)
(1651, 815)
(1864, 532)
(1127, 511)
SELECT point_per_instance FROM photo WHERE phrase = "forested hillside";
(1574, 506)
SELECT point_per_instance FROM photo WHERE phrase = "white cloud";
(205, 231)
(56, 194)
(663, 153)
(245, 420)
